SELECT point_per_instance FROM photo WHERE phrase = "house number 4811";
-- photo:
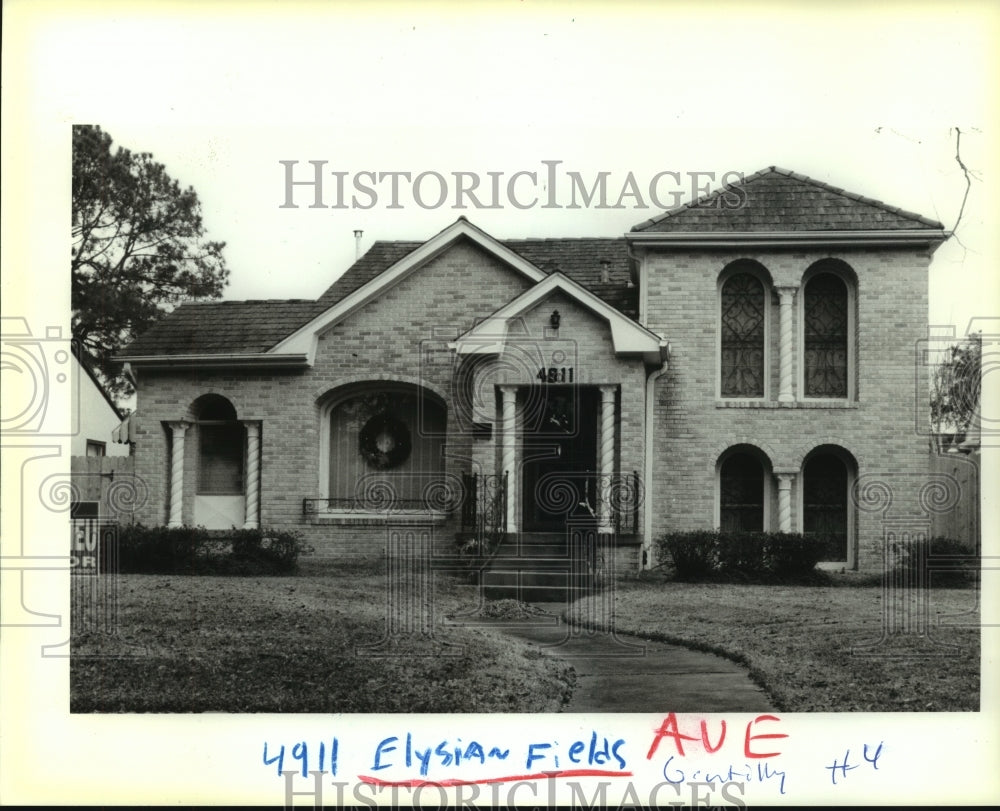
(555, 374)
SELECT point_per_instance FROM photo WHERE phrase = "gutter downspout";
(645, 556)
(645, 553)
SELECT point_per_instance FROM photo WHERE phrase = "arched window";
(221, 446)
(385, 447)
(826, 511)
(743, 318)
(827, 322)
(741, 493)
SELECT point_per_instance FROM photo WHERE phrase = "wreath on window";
(385, 442)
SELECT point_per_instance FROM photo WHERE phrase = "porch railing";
(484, 510)
(617, 499)
(311, 506)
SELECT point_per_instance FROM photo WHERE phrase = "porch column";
(606, 462)
(509, 426)
(786, 296)
(785, 479)
(253, 476)
(177, 430)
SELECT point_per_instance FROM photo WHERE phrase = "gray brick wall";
(402, 337)
(693, 427)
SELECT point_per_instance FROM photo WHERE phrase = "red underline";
(374, 781)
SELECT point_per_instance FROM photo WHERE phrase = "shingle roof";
(256, 326)
(780, 200)
(224, 327)
(582, 259)
(378, 257)
(776, 200)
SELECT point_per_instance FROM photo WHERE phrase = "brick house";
(743, 361)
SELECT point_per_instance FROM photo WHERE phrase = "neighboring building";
(99, 416)
(741, 361)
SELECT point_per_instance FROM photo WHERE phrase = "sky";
(865, 96)
(868, 100)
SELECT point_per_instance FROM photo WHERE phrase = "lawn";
(819, 648)
(288, 644)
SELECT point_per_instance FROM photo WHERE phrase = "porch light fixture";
(554, 319)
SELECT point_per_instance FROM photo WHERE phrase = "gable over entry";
(628, 337)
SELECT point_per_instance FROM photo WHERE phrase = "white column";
(786, 296)
(509, 427)
(177, 430)
(607, 459)
(785, 501)
(253, 476)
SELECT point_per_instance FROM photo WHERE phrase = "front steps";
(538, 567)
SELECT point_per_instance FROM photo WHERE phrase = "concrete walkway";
(623, 673)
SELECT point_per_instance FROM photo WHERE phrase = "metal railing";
(388, 505)
(484, 510)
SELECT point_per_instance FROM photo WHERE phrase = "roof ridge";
(561, 239)
(227, 302)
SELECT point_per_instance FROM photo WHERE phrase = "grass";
(805, 645)
(288, 644)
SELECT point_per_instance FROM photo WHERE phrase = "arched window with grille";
(827, 336)
(827, 514)
(743, 335)
(743, 491)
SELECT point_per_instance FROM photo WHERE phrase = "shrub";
(279, 548)
(793, 554)
(742, 552)
(936, 561)
(705, 554)
(695, 554)
(159, 549)
(195, 550)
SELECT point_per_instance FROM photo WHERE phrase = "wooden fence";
(110, 482)
(961, 521)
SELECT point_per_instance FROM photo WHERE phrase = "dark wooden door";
(561, 430)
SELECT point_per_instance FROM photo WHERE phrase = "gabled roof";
(627, 336)
(225, 329)
(582, 259)
(304, 339)
(776, 200)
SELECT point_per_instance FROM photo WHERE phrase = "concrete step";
(534, 581)
(536, 545)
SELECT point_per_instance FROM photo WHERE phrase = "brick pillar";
(253, 476)
(177, 430)
(786, 296)
(509, 426)
(606, 463)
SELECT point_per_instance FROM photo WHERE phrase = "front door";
(560, 457)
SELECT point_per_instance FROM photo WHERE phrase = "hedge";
(705, 553)
(195, 550)
(935, 561)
